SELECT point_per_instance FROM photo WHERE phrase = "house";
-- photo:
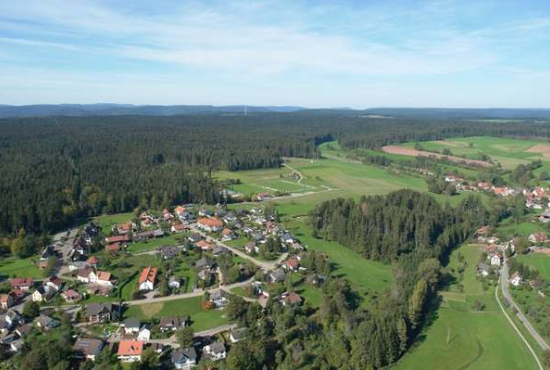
(195, 238)
(144, 333)
(483, 270)
(21, 284)
(227, 235)
(168, 252)
(130, 350)
(219, 298)
(174, 282)
(205, 245)
(157, 347)
(71, 296)
(496, 259)
(180, 210)
(292, 264)
(46, 323)
(219, 250)
(131, 325)
(209, 224)
(147, 278)
(13, 318)
(87, 348)
(167, 216)
(7, 300)
(4, 327)
(205, 275)
(16, 345)
(100, 312)
(291, 299)
(118, 239)
(251, 247)
(83, 274)
(179, 228)
(545, 216)
(277, 276)
(113, 248)
(54, 282)
(237, 334)
(172, 323)
(516, 279)
(125, 227)
(93, 261)
(216, 351)
(287, 238)
(102, 278)
(204, 263)
(23, 330)
(41, 294)
(184, 358)
(537, 238)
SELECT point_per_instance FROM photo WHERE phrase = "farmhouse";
(147, 278)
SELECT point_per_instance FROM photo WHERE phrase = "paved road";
(506, 293)
(172, 341)
(196, 293)
(265, 265)
(63, 244)
(516, 328)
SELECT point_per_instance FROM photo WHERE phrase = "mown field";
(201, 319)
(459, 337)
(508, 152)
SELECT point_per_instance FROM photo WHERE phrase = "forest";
(417, 234)
(59, 169)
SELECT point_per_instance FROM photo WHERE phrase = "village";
(101, 276)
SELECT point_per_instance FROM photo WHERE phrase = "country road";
(506, 293)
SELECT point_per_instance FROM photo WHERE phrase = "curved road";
(506, 293)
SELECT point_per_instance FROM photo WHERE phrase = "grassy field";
(367, 277)
(152, 244)
(15, 267)
(108, 221)
(201, 320)
(538, 261)
(461, 338)
(506, 151)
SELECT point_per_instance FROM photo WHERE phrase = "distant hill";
(128, 109)
(464, 113)
(78, 110)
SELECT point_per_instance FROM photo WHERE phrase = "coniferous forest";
(58, 169)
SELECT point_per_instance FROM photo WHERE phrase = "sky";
(359, 54)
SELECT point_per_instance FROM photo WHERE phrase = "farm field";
(201, 319)
(509, 152)
(460, 337)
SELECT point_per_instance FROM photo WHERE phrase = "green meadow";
(538, 261)
(201, 319)
(459, 338)
(15, 267)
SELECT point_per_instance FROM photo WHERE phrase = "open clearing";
(543, 149)
(461, 338)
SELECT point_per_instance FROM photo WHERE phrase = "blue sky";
(360, 54)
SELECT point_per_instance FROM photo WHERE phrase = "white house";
(496, 259)
(216, 351)
(147, 278)
(144, 334)
(175, 282)
(516, 279)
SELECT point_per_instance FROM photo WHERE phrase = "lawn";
(461, 338)
(201, 320)
(152, 244)
(16, 267)
(538, 261)
(108, 221)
